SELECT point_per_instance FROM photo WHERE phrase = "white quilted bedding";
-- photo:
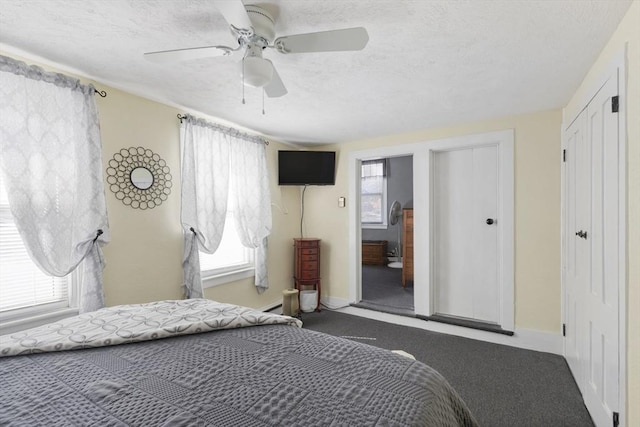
(134, 323)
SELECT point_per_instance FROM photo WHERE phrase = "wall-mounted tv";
(306, 167)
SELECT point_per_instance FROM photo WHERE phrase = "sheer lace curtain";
(252, 202)
(214, 159)
(50, 157)
(205, 189)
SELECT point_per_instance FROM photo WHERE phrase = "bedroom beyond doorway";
(386, 191)
(382, 291)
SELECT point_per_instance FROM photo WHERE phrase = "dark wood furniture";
(374, 252)
(307, 265)
(407, 246)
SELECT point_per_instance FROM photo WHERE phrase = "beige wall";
(627, 33)
(145, 252)
(537, 213)
(143, 257)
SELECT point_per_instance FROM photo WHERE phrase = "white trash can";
(308, 301)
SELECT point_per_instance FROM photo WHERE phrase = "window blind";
(373, 192)
(22, 283)
(374, 168)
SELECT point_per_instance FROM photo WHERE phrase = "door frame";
(616, 65)
(505, 213)
(422, 153)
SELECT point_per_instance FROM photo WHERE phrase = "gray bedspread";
(275, 375)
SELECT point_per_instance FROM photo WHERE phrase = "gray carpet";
(382, 290)
(503, 386)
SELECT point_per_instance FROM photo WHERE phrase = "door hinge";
(615, 104)
(616, 419)
(564, 155)
(564, 330)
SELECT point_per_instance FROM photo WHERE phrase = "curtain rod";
(230, 131)
(36, 72)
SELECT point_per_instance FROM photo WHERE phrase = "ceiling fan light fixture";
(258, 72)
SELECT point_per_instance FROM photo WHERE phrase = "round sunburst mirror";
(139, 178)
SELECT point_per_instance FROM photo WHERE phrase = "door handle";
(491, 221)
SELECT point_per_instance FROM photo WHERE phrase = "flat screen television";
(306, 167)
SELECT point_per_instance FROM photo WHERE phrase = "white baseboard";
(333, 303)
(329, 302)
(271, 306)
(540, 341)
(547, 342)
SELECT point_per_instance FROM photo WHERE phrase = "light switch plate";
(341, 202)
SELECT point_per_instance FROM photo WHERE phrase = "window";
(231, 261)
(373, 194)
(25, 290)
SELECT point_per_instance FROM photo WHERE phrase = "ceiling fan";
(253, 28)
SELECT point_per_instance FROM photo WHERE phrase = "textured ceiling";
(428, 63)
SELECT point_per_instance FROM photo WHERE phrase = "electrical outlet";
(341, 202)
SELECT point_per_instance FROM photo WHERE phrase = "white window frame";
(37, 315)
(229, 273)
(13, 320)
(384, 224)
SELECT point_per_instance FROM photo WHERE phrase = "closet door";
(601, 345)
(592, 257)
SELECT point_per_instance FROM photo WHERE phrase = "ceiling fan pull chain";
(243, 80)
(263, 101)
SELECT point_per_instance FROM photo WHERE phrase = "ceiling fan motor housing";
(257, 71)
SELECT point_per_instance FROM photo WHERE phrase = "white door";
(576, 253)
(600, 390)
(592, 254)
(465, 232)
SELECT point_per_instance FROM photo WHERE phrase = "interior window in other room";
(373, 194)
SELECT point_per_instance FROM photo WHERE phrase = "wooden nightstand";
(307, 265)
(374, 252)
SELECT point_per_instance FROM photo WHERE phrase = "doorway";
(423, 155)
(386, 192)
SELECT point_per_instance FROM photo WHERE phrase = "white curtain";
(252, 204)
(51, 162)
(214, 159)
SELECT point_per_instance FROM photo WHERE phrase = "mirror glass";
(142, 178)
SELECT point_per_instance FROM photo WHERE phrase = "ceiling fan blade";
(177, 55)
(234, 13)
(275, 88)
(324, 41)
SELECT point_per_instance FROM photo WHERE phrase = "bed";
(203, 363)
